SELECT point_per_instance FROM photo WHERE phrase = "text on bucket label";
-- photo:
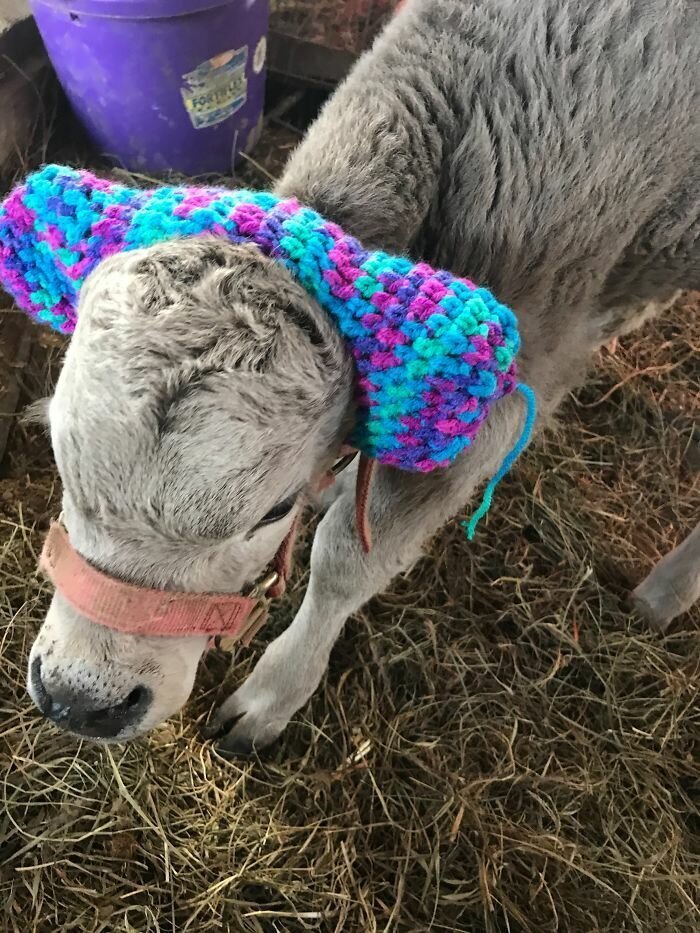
(216, 89)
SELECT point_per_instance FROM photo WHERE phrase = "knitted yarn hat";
(432, 351)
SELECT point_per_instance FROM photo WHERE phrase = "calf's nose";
(77, 711)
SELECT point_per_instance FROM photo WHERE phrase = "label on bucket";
(260, 54)
(216, 89)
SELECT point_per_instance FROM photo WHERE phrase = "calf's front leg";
(673, 585)
(405, 510)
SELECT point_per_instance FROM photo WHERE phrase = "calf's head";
(203, 392)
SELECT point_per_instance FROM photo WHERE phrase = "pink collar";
(137, 610)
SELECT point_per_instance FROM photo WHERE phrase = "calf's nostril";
(40, 696)
(137, 695)
(108, 721)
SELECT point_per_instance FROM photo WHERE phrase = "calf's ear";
(37, 412)
(49, 239)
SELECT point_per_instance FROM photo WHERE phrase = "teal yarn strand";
(519, 447)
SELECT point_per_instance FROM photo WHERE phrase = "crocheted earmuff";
(432, 351)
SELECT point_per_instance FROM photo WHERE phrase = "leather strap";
(283, 561)
(365, 474)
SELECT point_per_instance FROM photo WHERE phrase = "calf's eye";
(279, 512)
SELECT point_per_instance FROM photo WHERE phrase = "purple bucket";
(162, 85)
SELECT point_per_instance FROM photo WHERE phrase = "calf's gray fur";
(547, 149)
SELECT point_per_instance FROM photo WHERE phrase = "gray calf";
(548, 149)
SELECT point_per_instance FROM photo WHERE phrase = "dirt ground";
(349, 25)
(500, 745)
